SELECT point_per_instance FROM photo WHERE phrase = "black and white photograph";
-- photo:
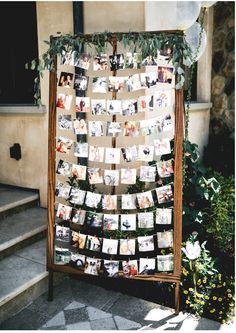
(96, 128)
(82, 104)
(128, 222)
(130, 154)
(95, 176)
(162, 99)
(128, 201)
(131, 128)
(148, 80)
(145, 153)
(98, 107)
(164, 194)
(116, 84)
(81, 82)
(110, 222)
(112, 155)
(99, 85)
(129, 107)
(147, 127)
(78, 171)
(147, 173)
(100, 62)
(63, 145)
(165, 74)
(64, 122)
(130, 268)
(145, 243)
(62, 190)
(63, 101)
(64, 168)
(84, 61)
(96, 154)
(62, 256)
(113, 128)
(164, 123)
(111, 268)
(165, 168)
(78, 216)
(163, 216)
(77, 196)
(93, 243)
(133, 60)
(111, 177)
(133, 83)
(92, 199)
(149, 61)
(127, 247)
(92, 266)
(81, 149)
(128, 176)
(145, 103)
(117, 61)
(80, 126)
(62, 234)
(165, 239)
(147, 266)
(68, 58)
(109, 202)
(165, 263)
(146, 220)
(78, 240)
(114, 107)
(64, 212)
(162, 146)
(94, 220)
(77, 260)
(110, 246)
(66, 80)
(145, 199)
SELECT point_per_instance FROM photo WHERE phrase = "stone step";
(21, 229)
(15, 199)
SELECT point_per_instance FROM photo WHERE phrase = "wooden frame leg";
(177, 285)
(50, 286)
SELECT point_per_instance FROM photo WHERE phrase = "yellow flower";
(202, 302)
(228, 290)
(224, 284)
(190, 289)
(220, 299)
(214, 298)
(213, 310)
(220, 312)
(199, 281)
(185, 292)
(213, 285)
(187, 302)
(231, 304)
(207, 297)
(229, 295)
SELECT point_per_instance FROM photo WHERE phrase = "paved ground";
(79, 305)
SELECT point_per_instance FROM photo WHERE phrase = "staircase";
(23, 224)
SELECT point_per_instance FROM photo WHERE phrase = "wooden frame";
(179, 114)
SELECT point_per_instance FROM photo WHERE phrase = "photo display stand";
(171, 277)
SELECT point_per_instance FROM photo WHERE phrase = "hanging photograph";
(162, 99)
(64, 168)
(110, 246)
(128, 176)
(128, 222)
(96, 128)
(95, 176)
(96, 154)
(149, 61)
(130, 154)
(98, 107)
(165, 168)
(81, 149)
(62, 190)
(111, 177)
(78, 216)
(94, 220)
(63, 101)
(110, 222)
(78, 171)
(127, 247)
(78, 240)
(147, 266)
(165, 239)
(146, 243)
(62, 234)
(113, 128)
(80, 126)
(145, 153)
(133, 83)
(148, 80)
(145, 220)
(64, 122)
(164, 194)
(93, 243)
(99, 85)
(133, 60)
(165, 74)
(77, 260)
(82, 104)
(145, 103)
(92, 199)
(92, 266)
(164, 123)
(117, 61)
(112, 155)
(111, 268)
(81, 82)
(84, 61)
(162, 146)
(63, 212)
(163, 215)
(77, 196)
(128, 201)
(62, 256)
(147, 173)
(63, 145)
(131, 128)
(129, 107)
(68, 58)
(114, 107)
(100, 62)
(165, 263)
(65, 80)
(145, 199)
(116, 84)
(147, 127)
(109, 202)
(130, 268)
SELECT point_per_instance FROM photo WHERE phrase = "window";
(19, 44)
